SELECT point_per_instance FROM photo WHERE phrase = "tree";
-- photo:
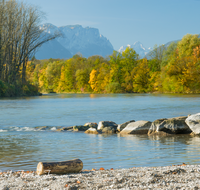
(93, 80)
(157, 54)
(20, 36)
(116, 67)
(82, 79)
(67, 78)
(141, 77)
(128, 62)
(181, 73)
(187, 44)
(53, 72)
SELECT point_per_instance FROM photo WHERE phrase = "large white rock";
(103, 124)
(138, 127)
(193, 121)
(123, 125)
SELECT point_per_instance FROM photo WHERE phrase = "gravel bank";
(169, 177)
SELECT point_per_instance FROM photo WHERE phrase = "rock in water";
(92, 131)
(92, 125)
(123, 125)
(103, 124)
(80, 128)
(193, 121)
(109, 130)
(138, 127)
(176, 125)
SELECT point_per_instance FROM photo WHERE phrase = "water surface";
(22, 147)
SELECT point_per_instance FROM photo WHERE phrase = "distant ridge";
(138, 47)
(75, 39)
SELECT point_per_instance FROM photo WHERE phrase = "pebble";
(169, 177)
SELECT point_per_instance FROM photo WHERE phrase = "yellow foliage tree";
(93, 80)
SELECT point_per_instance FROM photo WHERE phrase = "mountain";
(52, 49)
(74, 39)
(138, 47)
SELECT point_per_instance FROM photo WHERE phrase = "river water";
(22, 145)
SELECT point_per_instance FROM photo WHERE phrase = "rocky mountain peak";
(138, 47)
(77, 39)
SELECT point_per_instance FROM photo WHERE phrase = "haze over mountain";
(138, 47)
(74, 39)
(85, 41)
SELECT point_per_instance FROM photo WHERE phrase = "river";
(22, 146)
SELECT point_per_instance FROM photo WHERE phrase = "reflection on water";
(23, 150)
(22, 147)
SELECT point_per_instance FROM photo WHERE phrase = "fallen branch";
(70, 166)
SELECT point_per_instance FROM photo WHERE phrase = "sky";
(152, 22)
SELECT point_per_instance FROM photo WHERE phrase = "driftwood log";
(70, 166)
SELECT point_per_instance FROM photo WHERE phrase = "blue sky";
(125, 22)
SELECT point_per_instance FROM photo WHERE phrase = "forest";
(168, 69)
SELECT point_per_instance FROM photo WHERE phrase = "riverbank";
(169, 177)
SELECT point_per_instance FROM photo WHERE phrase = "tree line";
(168, 69)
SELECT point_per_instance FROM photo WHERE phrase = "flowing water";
(22, 145)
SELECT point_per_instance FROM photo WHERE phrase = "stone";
(43, 128)
(92, 125)
(109, 130)
(193, 121)
(176, 125)
(65, 129)
(120, 127)
(103, 124)
(92, 131)
(138, 127)
(154, 125)
(80, 128)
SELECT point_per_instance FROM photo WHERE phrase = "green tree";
(53, 72)
(141, 76)
(128, 62)
(82, 80)
(157, 55)
(187, 44)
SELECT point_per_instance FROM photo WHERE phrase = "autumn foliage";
(171, 69)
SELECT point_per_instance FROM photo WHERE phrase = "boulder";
(120, 127)
(176, 125)
(92, 125)
(109, 130)
(65, 129)
(155, 125)
(138, 127)
(80, 128)
(92, 131)
(193, 121)
(103, 124)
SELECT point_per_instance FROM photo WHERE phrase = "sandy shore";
(169, 177)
